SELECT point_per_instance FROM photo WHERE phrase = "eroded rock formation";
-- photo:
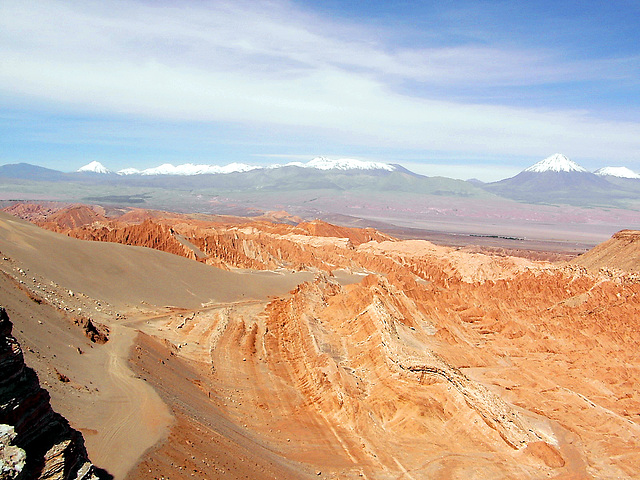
(53, 450)
(426, 362)
(439, 363)
(222, 242)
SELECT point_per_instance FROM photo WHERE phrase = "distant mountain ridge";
(554, 163)
(29, 172)
(324, 175)
(553, 180)
(318, 163)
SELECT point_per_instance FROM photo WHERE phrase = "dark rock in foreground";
(53, 449)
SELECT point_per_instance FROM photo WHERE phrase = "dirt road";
(134, 417)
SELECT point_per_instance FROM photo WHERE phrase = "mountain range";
(554, 163)
(553, 180)
(318, 163)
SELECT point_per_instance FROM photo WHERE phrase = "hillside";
(35, 441)
(621, 252)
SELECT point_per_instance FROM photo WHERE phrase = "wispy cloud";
(264, 64)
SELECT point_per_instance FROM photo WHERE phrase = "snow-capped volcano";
(556, 180)
(620, 172)
(94, 167)
(555, 163)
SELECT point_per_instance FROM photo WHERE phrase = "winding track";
(135, 418)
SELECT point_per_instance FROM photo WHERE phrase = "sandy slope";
(120, 415)
(620, 252)
(126, 276)
(130, 407)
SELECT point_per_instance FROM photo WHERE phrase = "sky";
(466, 89)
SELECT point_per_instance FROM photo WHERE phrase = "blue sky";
(463, 89)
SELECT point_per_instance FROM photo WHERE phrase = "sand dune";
(126, 276)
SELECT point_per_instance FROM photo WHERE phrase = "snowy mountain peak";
(94, 167)
(621, 172)
(188, 169)
(164, 169)
(129, 171)
(556, 163)
(323, 163)
(319, 163)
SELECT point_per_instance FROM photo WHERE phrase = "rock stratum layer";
(37, 443)
(401, 359)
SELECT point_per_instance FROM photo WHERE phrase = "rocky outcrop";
(12, 458)
(94, 331)
(393, 324)
(53, 449)
(147, 234)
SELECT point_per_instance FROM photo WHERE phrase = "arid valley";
(337, 240)
(201, 346)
